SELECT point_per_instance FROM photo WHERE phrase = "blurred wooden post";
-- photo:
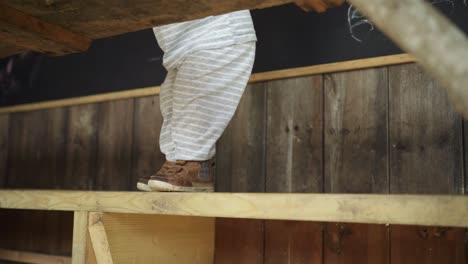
(439, 46)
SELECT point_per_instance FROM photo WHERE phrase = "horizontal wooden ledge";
(32, 257)
(427, 210)
(256, 77)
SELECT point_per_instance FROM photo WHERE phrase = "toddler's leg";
(165, 139)
(207, 89)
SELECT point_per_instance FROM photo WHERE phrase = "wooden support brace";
(30, 33)
(439, 46)
(80, 228)
(98, 237)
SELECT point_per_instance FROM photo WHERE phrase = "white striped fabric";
(199, 98)
(214, 32)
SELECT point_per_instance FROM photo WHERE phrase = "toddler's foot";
(184, 176)
(142, 183)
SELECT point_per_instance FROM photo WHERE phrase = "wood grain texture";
(80, 231)
(31, 33)
(294, 164)
(115, 135)
(81, 149)
(99, 241)
(142, 239)
(425, 135)
(31, 257)
(356, 159)
(240, 168)
(37, 149)
(98, 19)
(425, 157)
(438, 210)
(356, 132)
(4, 137)
(256, 77)
(146, 155)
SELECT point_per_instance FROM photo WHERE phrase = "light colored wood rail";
(30, 257)
(257, 77)
(80, 226)
(429, 210)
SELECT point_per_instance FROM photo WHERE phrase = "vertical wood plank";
(37, 159)
(114, 156)
(425, 157)
(37, 149)
(80, 231)
(356, 159)
(4, 133)
(81, 147)
(294, 164)
(240, 168)
(147, 157)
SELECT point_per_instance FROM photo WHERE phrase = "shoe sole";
(143, 187)
(161, 186)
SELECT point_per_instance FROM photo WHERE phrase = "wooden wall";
(381, 130)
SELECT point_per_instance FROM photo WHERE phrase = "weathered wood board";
(240, 168)
(114, 143)
(425, 157)
(355, 138)
(294, 164)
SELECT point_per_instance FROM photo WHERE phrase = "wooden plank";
(437, 210)
(100, 19)
(134, 93)
(99, 241)
(147, 157)
(425, 157)
(114, 157)
(80, 231)
(30, 33)
(257, 77)
(240, 168)
(159, 239)
(81, 149)
(31, 257)
(333, 67)
(38, 141)
(7, 49)
(37, 160)
(294, 164)
(4, 136)
(356, 159)
(355, 132)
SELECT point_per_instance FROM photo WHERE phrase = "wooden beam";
(30, 33)
(417, 27)
(80, 228)
(256, 77)
(98, 236)
(31, 257)
(101, 19)
(438, 210)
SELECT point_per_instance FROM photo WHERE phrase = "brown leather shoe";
(184, 176)
(142, 183)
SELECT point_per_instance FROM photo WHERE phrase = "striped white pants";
(199, 98)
